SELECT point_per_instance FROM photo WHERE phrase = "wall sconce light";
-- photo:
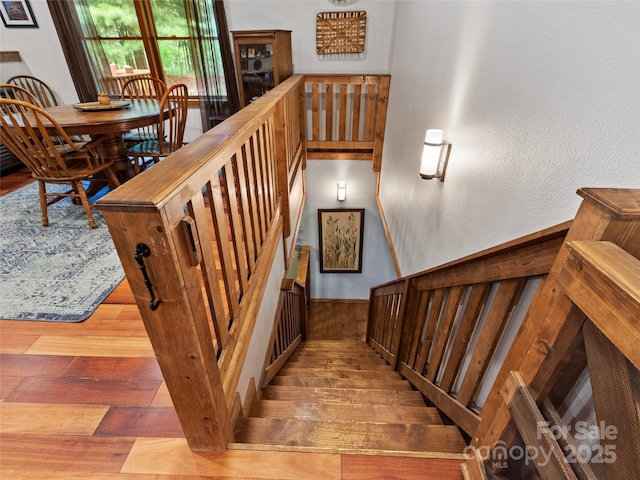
(342, 191)
(433, 166)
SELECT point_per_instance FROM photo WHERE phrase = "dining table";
(87, 119)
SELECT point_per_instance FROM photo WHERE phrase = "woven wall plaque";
(341, 32)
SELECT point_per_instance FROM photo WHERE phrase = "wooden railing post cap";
(618, 202)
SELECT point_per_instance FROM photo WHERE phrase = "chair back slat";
(15, 92)
(143, 88)
(37, 88)
(174, 107)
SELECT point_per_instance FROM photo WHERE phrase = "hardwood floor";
(87, 401)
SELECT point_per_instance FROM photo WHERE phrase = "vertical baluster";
(222, 242)
(371, 112)
(432, 323)
(355, 114)
(508, 295)
(342, 126)
(197, 211)
(477, 299)
(235, 220)
(245, 204)
(315, 111)
(446, 322)
(329, 112)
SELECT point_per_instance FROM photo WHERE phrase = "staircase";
(341, 395)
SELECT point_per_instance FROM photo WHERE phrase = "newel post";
(605, 214)
(176, 321)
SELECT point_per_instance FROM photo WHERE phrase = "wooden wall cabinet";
(263, 60)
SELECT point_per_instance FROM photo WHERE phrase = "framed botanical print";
(341, 233)
(17, 13)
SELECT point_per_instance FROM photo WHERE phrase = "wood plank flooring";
(87, 401)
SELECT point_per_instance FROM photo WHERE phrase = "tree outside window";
(176, 41)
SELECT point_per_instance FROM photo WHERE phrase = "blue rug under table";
(59, 273)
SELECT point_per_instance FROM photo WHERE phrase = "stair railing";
(347, 116)
(441, 328)
(424, 324)
(290, 327)
(197, 235)
(602, 283)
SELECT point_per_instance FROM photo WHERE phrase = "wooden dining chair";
(173, 118)
(15, 92)
(42, 93)
(142, 88)
(23, 132)
(37, 87)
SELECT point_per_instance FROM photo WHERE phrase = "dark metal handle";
(143, 250)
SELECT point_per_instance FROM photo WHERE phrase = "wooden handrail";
(604, 281)
(423, 324)
(213, 213)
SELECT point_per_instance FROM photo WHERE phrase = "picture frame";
(341, 237)
(17, 14)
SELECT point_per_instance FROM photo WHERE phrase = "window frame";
(150, 40)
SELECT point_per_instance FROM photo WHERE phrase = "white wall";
(538, 99)
(377, 267)
(41, 52)
(299, 16)
(258, 345)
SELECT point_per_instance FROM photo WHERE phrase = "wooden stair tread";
(334, 345)
(346, 359)
(330, 364)
(343, 395)
(345, 412)
(350, 435)
(328, 382)
(339, 354)
(338, 373)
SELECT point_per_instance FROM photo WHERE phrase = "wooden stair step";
(347, 355)
(338, 373)
(371, 359)
(338, 364)
(328, 382)
(332, 345)
(343, 395)
(345, 413)
(350, 435)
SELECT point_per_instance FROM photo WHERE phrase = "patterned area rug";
(60, 273)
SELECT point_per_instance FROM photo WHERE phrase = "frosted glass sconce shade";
(342, 191)
(433, 165)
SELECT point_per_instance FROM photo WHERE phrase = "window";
(106, 42)
(160, 47)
